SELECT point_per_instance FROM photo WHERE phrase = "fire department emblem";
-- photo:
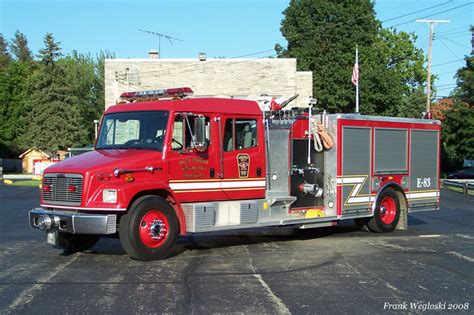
(243, 162)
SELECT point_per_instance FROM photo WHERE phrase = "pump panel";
(300, 162)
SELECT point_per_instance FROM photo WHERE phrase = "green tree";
(13, 96)
(19, 47)
(14, 76)
(85, 82)
(458, 126)
(323, 34)
(54, 120)
(5, 56)
(465, 82)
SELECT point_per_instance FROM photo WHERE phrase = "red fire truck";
(173, 167)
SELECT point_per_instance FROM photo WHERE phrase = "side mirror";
(200, 131)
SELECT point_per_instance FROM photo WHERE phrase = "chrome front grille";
(62, 189)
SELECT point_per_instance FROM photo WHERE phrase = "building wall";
(27, 160)
(238, 78)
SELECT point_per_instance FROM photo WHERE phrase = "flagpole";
(357, 84)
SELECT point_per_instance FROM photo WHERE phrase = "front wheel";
(150, 229)
(386, 212)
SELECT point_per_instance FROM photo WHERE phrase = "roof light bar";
(156, 94)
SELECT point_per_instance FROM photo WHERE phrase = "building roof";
(48, 155)
(202, 105)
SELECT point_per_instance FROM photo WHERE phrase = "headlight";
(109, 195)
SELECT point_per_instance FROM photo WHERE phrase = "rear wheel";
(150, 229)
(386, 212)
(73, 243)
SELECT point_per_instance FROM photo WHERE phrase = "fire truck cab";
(166, 168)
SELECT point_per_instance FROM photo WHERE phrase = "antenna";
(168, 37)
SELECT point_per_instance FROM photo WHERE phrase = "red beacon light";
(157, 94)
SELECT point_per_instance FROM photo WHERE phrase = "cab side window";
(229, 135)
(246, 133)
(240, 134)
(178, 134)
(183, 125)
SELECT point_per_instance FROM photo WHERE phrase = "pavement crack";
(188, 273)
(280, 306)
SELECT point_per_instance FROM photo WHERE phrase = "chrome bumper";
(76, 223)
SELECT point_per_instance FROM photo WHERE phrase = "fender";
(163, 191)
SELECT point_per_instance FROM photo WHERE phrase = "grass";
(26, 183)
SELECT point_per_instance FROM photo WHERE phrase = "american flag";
(355, 74)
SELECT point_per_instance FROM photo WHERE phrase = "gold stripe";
(231, 179)
(420, 191)
(202, 190)
(211, 190)
(250, 188)
(213, 180)
(193, 180)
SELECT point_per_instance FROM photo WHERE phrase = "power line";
(447, 63)
(454, 42)
(218, 61)
(369, 15)
(418, 11)
(457, 36)
(427, 16)
(450, 50)
(203, 64)
(320, 28)
(466, 27)
(454, 33)
(450, 84)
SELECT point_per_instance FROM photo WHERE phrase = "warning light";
(157, 94)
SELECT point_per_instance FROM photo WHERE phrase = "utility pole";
(431, 24)
(159, 39)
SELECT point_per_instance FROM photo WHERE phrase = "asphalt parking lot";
(427, 269)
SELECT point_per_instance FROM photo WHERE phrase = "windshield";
(133, 130)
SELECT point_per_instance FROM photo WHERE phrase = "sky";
(225, 28)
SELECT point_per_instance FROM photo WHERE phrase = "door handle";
(212, 172)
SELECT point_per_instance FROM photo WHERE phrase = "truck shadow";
(222, 239)
(226, 239)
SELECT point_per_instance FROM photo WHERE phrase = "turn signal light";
(72, 188)
(47, 187)
(129, 178)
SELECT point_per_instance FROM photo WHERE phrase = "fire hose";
(322, 139)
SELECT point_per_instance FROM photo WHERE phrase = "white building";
(237, 78)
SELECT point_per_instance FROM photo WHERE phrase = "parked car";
(463, 174)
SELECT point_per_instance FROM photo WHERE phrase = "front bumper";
(75, 223)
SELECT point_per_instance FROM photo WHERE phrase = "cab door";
(243, 158)
(193, 175)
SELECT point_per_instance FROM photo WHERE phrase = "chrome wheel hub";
(383, 210)
(157, 229)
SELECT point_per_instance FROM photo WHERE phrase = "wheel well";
(168, 197)
(403, 221)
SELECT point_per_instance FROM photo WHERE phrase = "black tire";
(159, 219)
(73, 243)
(386, 212)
